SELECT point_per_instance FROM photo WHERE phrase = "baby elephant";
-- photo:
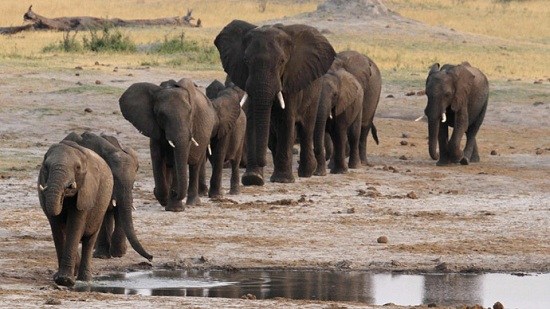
(339, 113)
(117, 224)
(74, 188)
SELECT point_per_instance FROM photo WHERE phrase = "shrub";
(109, 40)
(68, 44)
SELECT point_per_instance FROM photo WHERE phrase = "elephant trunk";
(125, 202)
(433, 133)
(181, 156)
(54, 193)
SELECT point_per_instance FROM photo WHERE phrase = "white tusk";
(113, 202)
(194, 141)
(42, 188)
(172, 144)
(133, 207)
(443, 118)
(281, 100)
(330, 115)
(73, 185)
(209, 150)
(243, 100)
(420, 118)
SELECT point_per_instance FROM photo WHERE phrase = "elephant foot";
(235, 191)
(119, 251)
(161, 198)
(474, 158)
(282, 177)
(354, 164)
(193, 200)
(215, 194)
(85, 276)
(102, 253)
(175, 206)
(63, 280)
(464, 161)
(320, 172)
(443, 162)
(341, 170)
(252, 179)
(203, 190)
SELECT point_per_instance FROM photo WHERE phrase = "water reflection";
(442, 289)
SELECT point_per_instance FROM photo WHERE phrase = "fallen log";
(39, 22)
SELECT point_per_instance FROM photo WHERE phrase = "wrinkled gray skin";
(462, 93)
(214, 88)
(368, 75)
(74, 188)
(227, 141)
(339, 113)
(264, 61)
(118, 223)
(172, 115)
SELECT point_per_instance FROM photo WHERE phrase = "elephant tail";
(374, 133)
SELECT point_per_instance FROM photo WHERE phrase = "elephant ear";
(350, 91)
(228, 112)
(463, 81)
(88, 178)
(434, 68)
(310, 58)
(136, 105)
(230, 46)
(73, 137)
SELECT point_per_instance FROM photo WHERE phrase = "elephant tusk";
(243, 100)
(194, 141)
(443, 118)
(209, 150)
(172, 144)
(133, 207)
(330, 115)
(420, 118)
(72, 185)
(42, 188)
(281, 100)
(113, 202)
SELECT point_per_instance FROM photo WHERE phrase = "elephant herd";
(284, 84)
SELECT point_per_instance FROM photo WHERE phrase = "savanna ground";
(490, 216)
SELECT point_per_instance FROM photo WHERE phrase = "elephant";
(228, 141)
(276, 63)
(368, 75)
(179, 120)
(214, 88)
(457, 97)
(117, 223)
(339, 113)
(74, 186)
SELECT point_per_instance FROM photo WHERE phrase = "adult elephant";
(179, 120)
(74, 188)
(457, 98)
(118, 224)
(275, 63)
(368, 75)
(339, 113)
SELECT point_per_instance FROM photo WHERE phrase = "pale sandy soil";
(490, 216)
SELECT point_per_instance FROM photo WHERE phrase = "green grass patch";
(101, 89)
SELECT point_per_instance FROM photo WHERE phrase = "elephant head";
(447, 89)
(165, 114)
(124, 164)
(68, 171)
(341, 89)
(267, 62)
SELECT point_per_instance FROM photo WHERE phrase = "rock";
(498, 305)
(494, 152)
(404, 143)
(78, 68)
(413, 145)
(538, 103)
(403, 157)
(88, 110)
(249, 296)
(382, 240)
(77, 74)
(421, 92)
(390, 96)
(539, 151)
(410, 93)
(98, 82)
(432, 305)
(412, 195)
(405, 135)
(52, 301)
(96, 63)
(350, 210)
(538, 81)
(79, 83)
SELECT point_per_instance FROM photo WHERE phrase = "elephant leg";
(173, 204)
(217, 161)
(363, 144)
(75, 227)
(103, 244)
(456, 153)
(443, 137)
(84, 271)
(203, 188)
(160, 173)
(354, 136)
(320, 155)
(308, 162)
(118, 239)
(235, 187)
(340, 141)
(282, 171)
(58, 235)
(193, 190)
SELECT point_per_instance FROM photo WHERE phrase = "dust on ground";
(490, 216)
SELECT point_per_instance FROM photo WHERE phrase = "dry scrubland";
(435, 219)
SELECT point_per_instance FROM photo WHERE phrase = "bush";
(110, 40)
(192, 50)
(68, 44)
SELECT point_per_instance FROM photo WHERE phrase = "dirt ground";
(491, 216)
